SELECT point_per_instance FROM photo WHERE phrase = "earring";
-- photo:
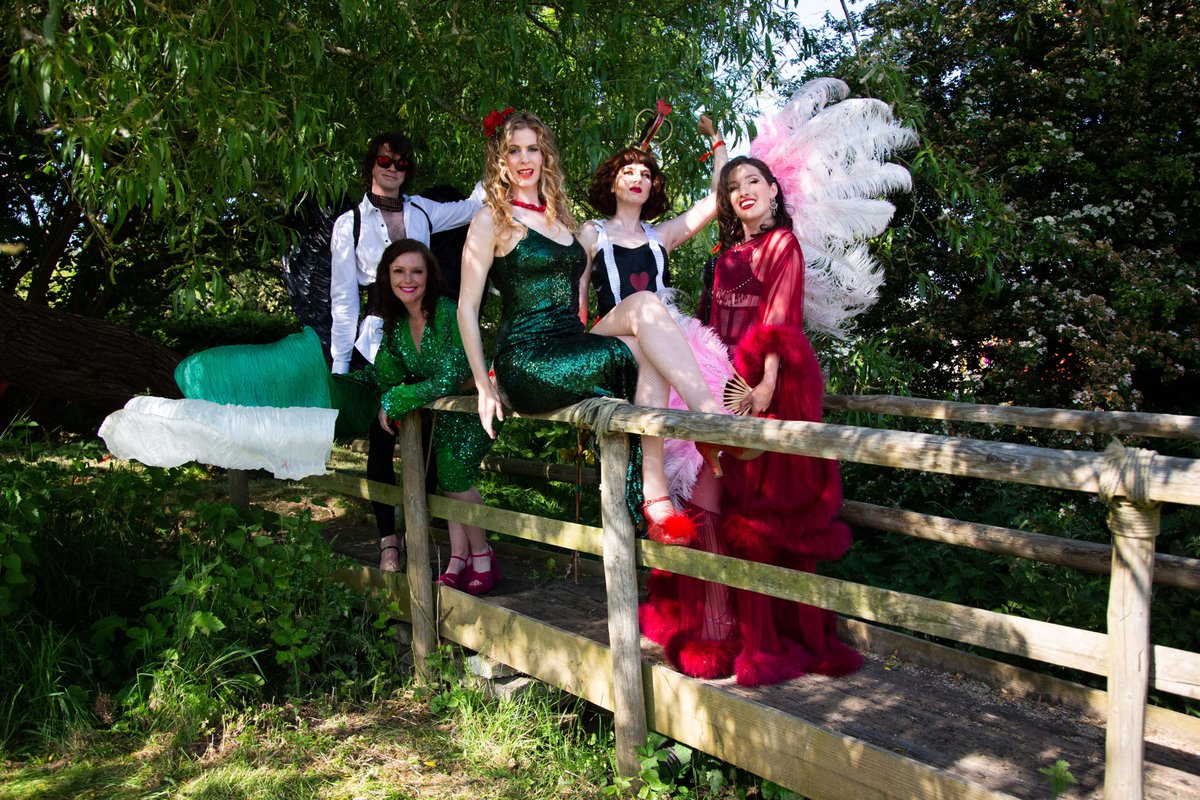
(774, 205)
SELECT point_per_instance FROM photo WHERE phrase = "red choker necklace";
(528, 206)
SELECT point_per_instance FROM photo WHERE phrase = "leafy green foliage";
(24, 500)
(1060, 777)
(252, 590)
(445, 689)
(194, 332)
(673, 770)
(272, 103)
(550, 443)
(45, 679)
(1046, 256)
(180, 615)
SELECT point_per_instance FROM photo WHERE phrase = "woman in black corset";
(629, 253)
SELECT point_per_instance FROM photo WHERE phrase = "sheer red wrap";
(776, 509)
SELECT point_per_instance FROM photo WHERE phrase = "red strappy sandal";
(482, 582)
(451, 579)
(678, 529)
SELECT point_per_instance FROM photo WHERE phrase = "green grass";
(391, 749)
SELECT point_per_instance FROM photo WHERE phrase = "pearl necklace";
(723, 295)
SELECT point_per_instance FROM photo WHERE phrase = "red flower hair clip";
(495, 119)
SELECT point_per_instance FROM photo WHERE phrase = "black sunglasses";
(385, 162)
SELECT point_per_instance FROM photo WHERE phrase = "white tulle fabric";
(829, 155)
(290, 443)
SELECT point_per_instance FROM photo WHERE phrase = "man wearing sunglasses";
(359, 238)
(360, 235)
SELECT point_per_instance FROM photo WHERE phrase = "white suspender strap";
(610, 260)
(659, 251)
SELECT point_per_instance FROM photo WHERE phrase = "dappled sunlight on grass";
(394, 749)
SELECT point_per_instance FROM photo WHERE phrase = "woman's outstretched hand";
(384, 422)
(706, 126)
(490, 408)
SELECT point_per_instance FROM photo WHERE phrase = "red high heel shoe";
(482, 582)
(451, 579)
(711, 453)
(678, 529)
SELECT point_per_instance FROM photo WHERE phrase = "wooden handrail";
(1131, 423)
(1169, 570)
(1171, 479)
(1177, 671)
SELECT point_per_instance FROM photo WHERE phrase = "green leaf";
(205, 622)
(50, 25)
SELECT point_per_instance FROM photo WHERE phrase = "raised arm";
(478, 254)
(678, 230)
(453, 214)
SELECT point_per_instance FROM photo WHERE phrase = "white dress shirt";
(352, 267)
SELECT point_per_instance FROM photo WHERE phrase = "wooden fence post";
(416, 536)
(1134, 528)
(620, 577)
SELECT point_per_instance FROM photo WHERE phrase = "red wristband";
(712, 150)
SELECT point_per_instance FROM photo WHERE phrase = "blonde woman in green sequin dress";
(524, 237)
(420, 359)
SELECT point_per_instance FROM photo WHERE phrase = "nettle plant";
(253, 608)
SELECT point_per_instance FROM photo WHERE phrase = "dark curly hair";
(384, 301)
(400, 146)
(600, 194)
(731, 231)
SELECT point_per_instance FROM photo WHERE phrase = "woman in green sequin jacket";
(421, 359)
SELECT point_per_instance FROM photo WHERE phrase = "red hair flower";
(663, 108)
(495, 119)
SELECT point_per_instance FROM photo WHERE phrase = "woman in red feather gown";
(777, 509)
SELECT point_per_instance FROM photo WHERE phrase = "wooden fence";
(1133, 482)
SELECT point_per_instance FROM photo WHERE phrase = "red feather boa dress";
(777, 509)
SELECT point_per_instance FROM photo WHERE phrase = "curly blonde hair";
(495, 174)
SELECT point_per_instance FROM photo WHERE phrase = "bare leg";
(460, 550)
(652, 391)
(465, 540)
(477, 552)
(643, 316)
(390, 550)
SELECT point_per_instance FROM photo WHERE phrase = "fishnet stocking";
(663, 349)
(704, 606)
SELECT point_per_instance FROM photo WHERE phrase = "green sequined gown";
(408, 379)
(544, 358)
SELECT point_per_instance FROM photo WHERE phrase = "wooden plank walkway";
(985, 741)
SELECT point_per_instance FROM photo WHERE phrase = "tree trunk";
(80, 358)
(60, 225)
